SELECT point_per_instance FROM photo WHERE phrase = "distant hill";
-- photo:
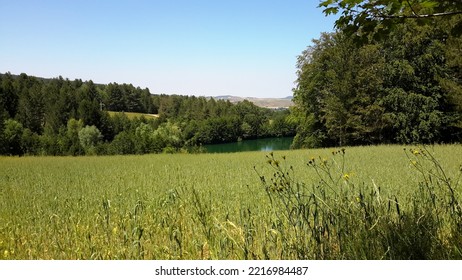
(273, 103)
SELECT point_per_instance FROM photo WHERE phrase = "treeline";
(62, 117)
(406, 88)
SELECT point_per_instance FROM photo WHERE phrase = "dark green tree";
(116, 99)
(8, 95)
(31, 105)
(396, 91)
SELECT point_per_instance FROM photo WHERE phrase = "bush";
(12, 134)
(89, 136)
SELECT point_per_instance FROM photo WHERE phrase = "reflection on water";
(267, 144)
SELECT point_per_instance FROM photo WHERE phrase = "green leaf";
(325, 3)
(330, 11)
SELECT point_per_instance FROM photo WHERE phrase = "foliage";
(12, 133)
(378, 18)
(396, 91)
(89, 136)
(48, 110)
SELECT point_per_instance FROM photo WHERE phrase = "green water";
(267, 144)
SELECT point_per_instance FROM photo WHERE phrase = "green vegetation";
(375, 19)
(132, 115)
(359, 203)
(44, 117)
(402, 87)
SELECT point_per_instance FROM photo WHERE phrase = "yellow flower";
(346, 176)
(6, 253)
(114, 231)
(312, 159)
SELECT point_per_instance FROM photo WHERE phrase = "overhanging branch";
(420, 16)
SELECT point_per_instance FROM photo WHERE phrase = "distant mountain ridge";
(273, 103)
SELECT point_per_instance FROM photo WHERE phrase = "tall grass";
(360, 203)
(341, 218)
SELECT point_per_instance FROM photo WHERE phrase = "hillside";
(272, 103)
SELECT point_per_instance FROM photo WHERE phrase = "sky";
(245, 48)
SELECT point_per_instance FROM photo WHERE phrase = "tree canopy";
(406, 89)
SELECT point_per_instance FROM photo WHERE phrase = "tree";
(144, 135)
(123, 144)
(72, 143)
(12, 134)
(378, 17)
(57, 105)
(31, 106)
(2, 124)
(30, 142)
(401, 90)
(8, 95)
(89, 136)
(115, 96)
(167, 135)
(89, 109)
(133, 98)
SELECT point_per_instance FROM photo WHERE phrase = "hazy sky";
(201, 47)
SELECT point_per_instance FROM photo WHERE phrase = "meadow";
(133, 115)
(378, 202)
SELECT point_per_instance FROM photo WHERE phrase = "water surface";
(266, 144)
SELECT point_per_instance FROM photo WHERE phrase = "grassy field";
(132, 115)
(361, 203)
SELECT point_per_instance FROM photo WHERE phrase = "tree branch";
(421, 16)
(410, 6)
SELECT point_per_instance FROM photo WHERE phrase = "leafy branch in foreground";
(378, 17)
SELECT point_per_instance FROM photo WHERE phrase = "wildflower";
(114, 231)
(346, 176)
(312, 159)
(6, 253)
(414, 163)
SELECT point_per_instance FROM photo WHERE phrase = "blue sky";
(196, 47)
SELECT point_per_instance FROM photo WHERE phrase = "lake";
(266, 144)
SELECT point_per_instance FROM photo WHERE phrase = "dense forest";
(390, 77)
(62, 117)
